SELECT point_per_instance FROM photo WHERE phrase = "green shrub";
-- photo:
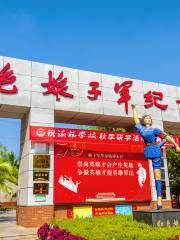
(115, 228)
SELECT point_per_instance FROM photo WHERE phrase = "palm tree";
(5, 175)
(14, 161)
(9, 165)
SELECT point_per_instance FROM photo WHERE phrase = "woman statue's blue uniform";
(152, 149)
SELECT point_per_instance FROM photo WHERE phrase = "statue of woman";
(152, 149)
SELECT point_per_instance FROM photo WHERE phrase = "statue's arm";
(135, 114)
(171, 140)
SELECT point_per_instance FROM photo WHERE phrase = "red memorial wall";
(92, 165)
(87, 175)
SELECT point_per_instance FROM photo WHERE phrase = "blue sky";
(138, 39)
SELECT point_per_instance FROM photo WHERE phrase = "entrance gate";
(86, 98)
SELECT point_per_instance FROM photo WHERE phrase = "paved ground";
(9, 230)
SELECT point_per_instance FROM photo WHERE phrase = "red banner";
(79, 135)
(50, 134)
(91, 176)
